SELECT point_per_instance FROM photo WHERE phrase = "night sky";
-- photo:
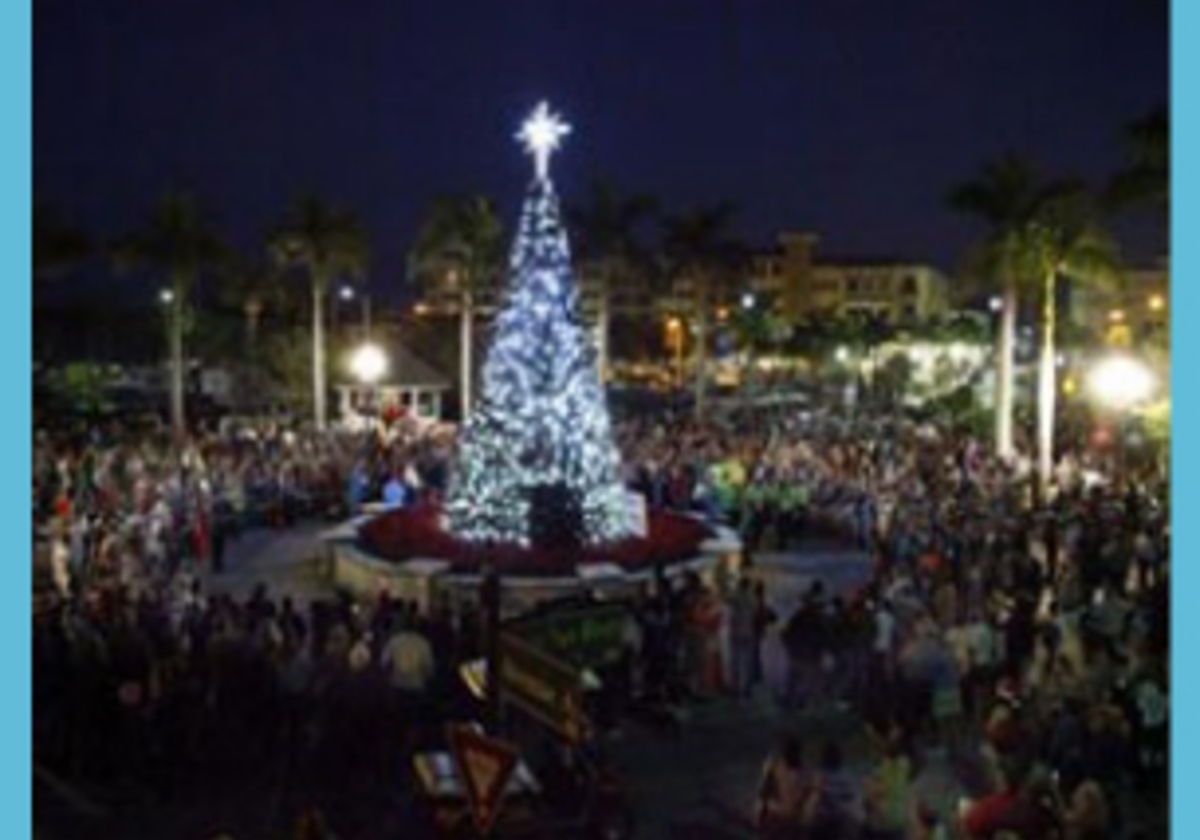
(850, 117)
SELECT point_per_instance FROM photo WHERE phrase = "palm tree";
(606, 241)
(1145, 180)
(699, 250)
(326, 243)
(250, 288)
(1061, 241)
(460, 246)
(1004, 196)
(179, 240)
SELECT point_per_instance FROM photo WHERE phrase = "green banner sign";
(587, 636)
(543, 686)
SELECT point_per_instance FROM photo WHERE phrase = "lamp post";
(1120, 383)
(490, 596)
(675, 337)
(749, 329)
(345, 294)
(369, 364)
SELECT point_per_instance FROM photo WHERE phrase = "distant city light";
(166, 296)
(748, 300)
(1157, 303)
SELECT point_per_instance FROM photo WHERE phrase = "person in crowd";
(1017, 806)
(784, 790)
(887, 797)
(764, 620)
(833, 810)
(1086, 816)
(1058, 647)
(743, 637)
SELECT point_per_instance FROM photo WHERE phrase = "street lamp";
(346, 293)
(166, 297)
(369, 363)
(996, 303)
(1157, 303)
(748, 301)
(1121, 382)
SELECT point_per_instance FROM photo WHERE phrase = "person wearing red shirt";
(1017, 807)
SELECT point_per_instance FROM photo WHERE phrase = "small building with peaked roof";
(411, 384)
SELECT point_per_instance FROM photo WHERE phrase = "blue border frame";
(16, 203)
(16, 334)
(1185, 460)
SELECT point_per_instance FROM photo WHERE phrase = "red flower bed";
(416, 532)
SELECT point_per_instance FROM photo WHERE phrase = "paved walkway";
(287, 561)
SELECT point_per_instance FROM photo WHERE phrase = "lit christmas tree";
(536, 463)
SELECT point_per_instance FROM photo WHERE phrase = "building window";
(852, 286)
(909, 285)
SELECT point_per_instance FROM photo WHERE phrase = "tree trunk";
(701, 349)
(1004, 372)
(249, 386)
(466, 325)
(253, 313)
(1047, 385)
(318, 355)
(178, 417)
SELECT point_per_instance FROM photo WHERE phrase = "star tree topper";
(542, 134)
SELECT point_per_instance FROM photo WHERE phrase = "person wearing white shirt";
(408, 659)
(884, 644)
(1152, 730)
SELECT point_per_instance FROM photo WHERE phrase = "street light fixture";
(1157, 303)
(996, 303)
(1121, 382)
(346, 293)
(166, 297)
(748, 300)
(369, 364)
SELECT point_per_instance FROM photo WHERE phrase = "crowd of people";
(1021, 634)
